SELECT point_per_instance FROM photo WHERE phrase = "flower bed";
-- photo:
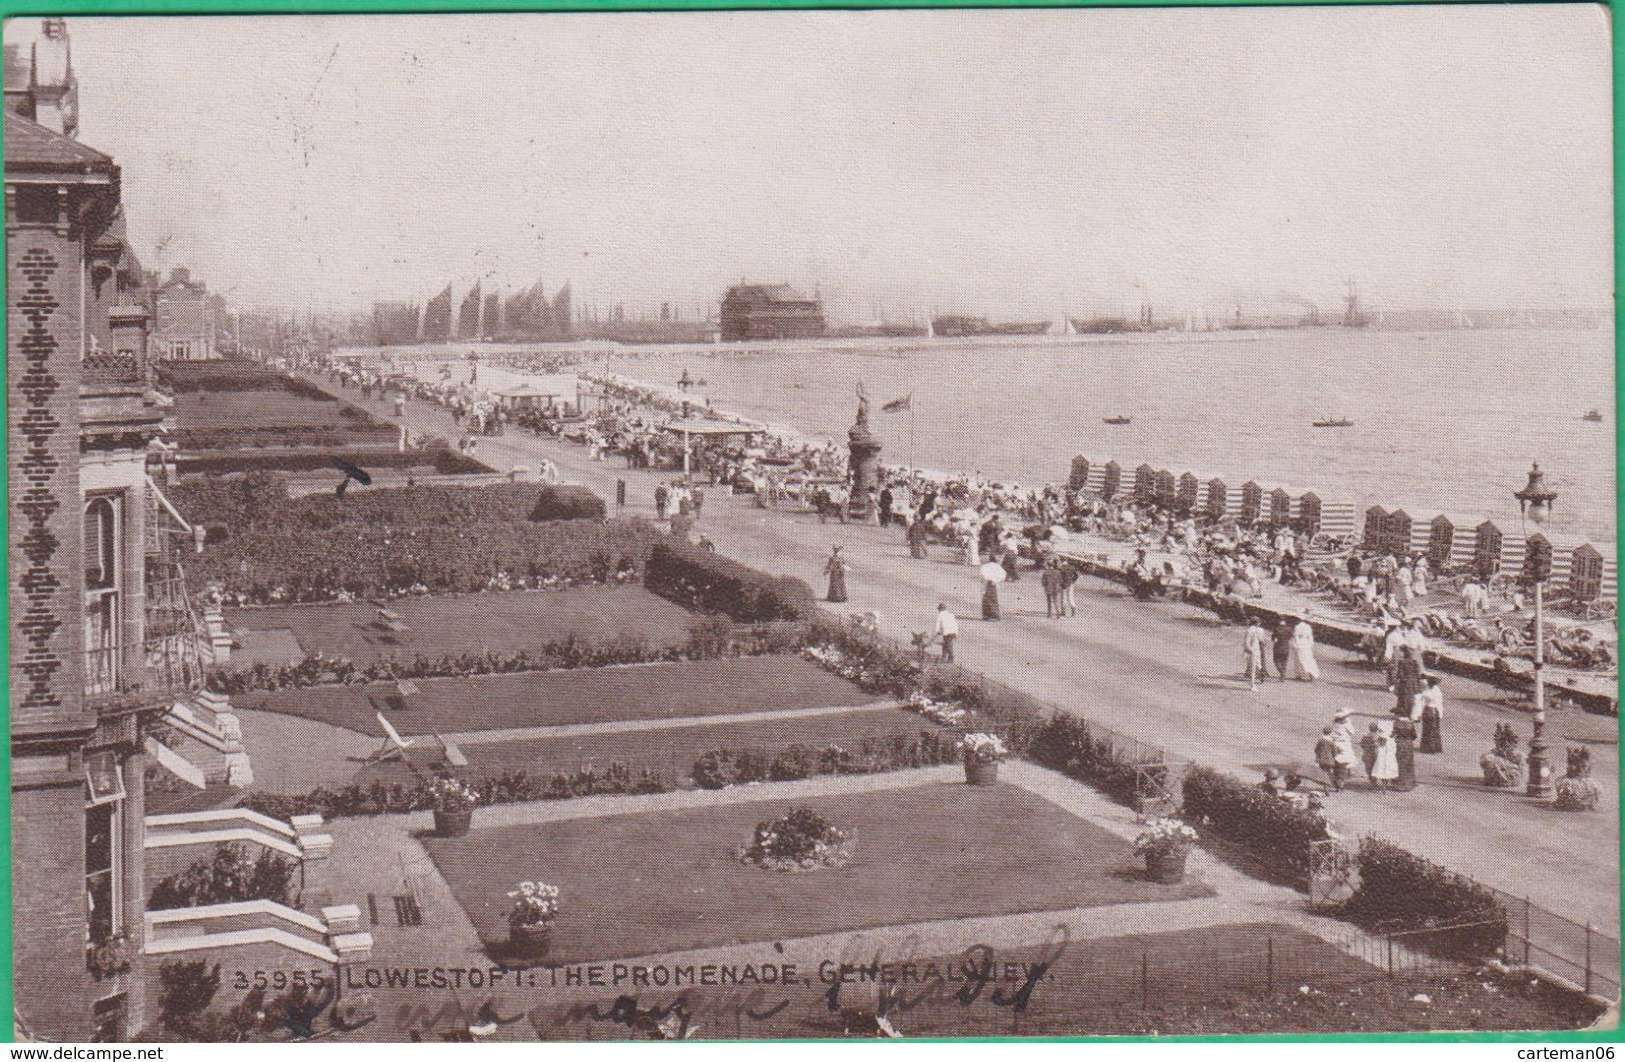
(798, 841)
(317, 669)
(228, 876)
(723, 767)
(508, 787)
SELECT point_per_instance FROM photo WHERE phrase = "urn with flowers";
(535, 908)
(981, 754)
(1165, 844)
(454, 802)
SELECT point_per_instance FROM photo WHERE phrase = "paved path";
(1168, 674)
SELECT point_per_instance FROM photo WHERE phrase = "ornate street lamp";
(1535, 503)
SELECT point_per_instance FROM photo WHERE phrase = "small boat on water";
(1117, 420)
(1334, 422)
(1592, 415)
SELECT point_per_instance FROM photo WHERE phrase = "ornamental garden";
(579, 757)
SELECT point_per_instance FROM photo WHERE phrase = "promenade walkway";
(1169, 674)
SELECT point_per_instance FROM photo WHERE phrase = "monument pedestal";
(864, 465)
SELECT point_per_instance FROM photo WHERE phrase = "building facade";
(185, 316)
(91, 560)
(770, 311)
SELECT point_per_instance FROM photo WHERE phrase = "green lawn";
(669, 752)
(586, 695)
(462, 623)
(1228, 979)
(646, 884)
(267, 408)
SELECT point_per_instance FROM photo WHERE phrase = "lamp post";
(1535, 503)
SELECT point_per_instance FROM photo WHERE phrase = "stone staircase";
(211, 737)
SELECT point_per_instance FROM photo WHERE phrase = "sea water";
(1443, 421)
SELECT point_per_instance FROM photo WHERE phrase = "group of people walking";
(1291, 645)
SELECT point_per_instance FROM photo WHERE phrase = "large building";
(185, 318)
(102, 640)
(770, 311)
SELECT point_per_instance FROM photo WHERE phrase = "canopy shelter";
(527, 394)
(711, 429)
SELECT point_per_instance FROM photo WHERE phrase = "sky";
(1001, 162)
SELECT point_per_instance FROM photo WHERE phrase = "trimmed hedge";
(704, 581)
(1272, 830)
(721, 768)
(567, 502)
(1066, 743)
(1403, 893)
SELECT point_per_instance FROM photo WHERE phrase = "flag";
(899, 405)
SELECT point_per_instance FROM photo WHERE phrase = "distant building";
(184, 319)
(770, 311)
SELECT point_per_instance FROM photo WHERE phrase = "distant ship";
(958, 325)
(1104, 326)
(1117, 420)
(1334, 422)
(1593, 415)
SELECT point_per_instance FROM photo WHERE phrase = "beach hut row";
(1585, 572)
(1247, 503)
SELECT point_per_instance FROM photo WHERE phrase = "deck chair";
(454, 755)
(393, 748)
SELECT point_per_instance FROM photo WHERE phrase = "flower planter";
(533, 938)
(982, 773)
(453, 823)
(1168, 866)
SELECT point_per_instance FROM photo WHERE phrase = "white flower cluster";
(982, 748)
(534, 903)
(943, 712)
(1162, 835)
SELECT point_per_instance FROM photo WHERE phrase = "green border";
(37, 8)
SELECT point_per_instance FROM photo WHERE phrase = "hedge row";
(1275, 832)
(337, 435)
(721, 768)
(705, 581)
(446, 462)
(1402, 893)
(567, 503)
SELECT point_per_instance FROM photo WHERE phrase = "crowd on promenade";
(982, 520)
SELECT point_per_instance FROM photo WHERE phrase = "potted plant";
(982, 753)
(454, 802)
(535, 908)
(108, 956)
(1575, 790)
(1165, 844)
(1503, 765)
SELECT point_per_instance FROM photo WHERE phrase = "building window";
(103, 626)
(103, 859)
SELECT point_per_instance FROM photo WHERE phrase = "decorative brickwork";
(46, 595)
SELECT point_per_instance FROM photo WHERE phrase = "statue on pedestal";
(864, 463)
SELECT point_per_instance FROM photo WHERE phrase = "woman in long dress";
(916, 539)
(835, 567)
(1304, 665)
(1385, 764)
(1407, 681)
(990, 599)
(1432, 698)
